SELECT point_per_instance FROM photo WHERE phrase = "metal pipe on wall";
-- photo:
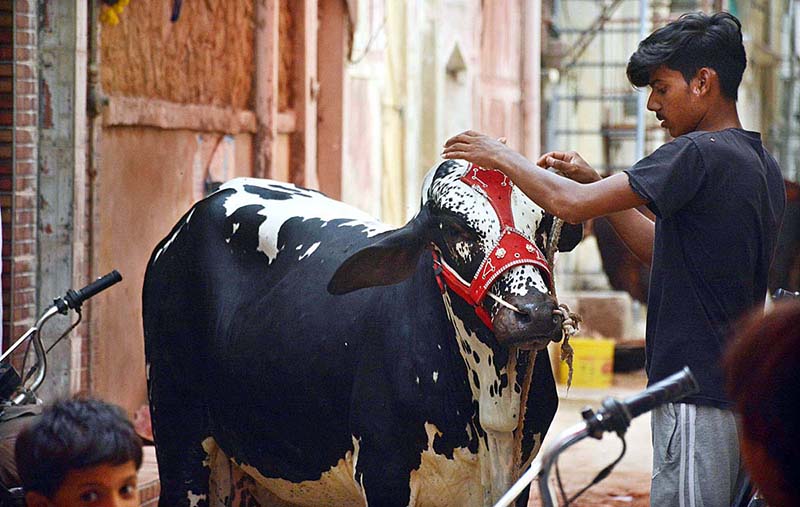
(641, 97)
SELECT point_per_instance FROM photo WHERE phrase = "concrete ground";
(629, 483)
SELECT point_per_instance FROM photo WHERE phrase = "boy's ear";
(36, 499)
(702, 81)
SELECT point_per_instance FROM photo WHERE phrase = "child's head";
(81, 452)
(761, 367)
(693, 41)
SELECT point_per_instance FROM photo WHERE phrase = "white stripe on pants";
(695, 457)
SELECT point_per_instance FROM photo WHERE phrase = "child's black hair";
(693, 41)
(71, 435)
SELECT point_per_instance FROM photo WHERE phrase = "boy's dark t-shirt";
(719, 199)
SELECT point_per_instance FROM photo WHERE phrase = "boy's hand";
(481, 150)
(570, 164)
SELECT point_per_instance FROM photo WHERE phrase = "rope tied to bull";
(572, 321)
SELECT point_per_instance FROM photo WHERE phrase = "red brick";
(25, 119)
(23, 137)
(27, 312)
(24, 153)
(23, 183)
(25, 86)
(24, 247)
(26, 168)
(23, 232)
(24, 70)
(24, 102)
(23, 6)
(22, 54)
(24, 296)
(25, 280)
(21, 326)
(24, 21)
(25, 202)
(25, 38)
(25, 217)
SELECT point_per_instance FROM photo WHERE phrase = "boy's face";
(672, 99)
(100, 486)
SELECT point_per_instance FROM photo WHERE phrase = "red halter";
(512, 249)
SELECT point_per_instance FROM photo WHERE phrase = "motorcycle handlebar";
(75, 298)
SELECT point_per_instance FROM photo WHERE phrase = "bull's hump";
(278, 202)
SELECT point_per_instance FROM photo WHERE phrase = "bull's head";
(488, 238)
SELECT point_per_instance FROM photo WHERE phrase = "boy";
(719, 199)
(81, 452)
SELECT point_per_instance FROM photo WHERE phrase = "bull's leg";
(180, 424)
(383, 476)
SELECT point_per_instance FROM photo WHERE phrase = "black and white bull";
(300, 352)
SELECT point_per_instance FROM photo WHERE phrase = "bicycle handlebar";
(670, 389)
(72, 300)
(780, 294)
(614, 415)
(75, 298)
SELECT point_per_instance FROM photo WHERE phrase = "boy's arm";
(567, 199)
(635, 229)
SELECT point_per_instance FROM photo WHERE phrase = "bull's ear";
(391, 259)
(571, 235)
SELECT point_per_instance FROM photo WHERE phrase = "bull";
(299, 352)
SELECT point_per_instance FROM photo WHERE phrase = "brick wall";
(18, 166)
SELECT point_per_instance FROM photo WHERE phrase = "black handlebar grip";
(672, 388)
(75, 298)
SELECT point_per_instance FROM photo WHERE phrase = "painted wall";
(206, 57)
(148, 178)
(178, 117)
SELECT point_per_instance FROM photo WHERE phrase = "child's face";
(100, 486)
(671, 98)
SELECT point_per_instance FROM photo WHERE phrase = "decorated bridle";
(511, 250)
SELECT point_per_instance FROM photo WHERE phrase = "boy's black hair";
(693, 41)
(71, 435)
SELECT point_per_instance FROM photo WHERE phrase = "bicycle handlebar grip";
(781, 294)
(75, 298)
(674, 387)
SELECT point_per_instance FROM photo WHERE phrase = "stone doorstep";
(149, 486)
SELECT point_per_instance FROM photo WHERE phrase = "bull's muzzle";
(535, 324)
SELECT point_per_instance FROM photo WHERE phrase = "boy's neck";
(720, 116)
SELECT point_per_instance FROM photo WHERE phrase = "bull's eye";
(460, 243)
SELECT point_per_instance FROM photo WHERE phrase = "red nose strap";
(513, 248)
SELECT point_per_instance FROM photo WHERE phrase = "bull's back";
(236, 309)
(252, 244)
